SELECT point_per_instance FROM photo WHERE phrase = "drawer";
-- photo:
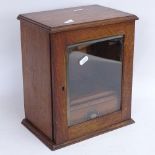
(93, 105)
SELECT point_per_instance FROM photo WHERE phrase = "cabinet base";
(48, 142)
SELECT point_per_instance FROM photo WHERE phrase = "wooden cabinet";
(77, 72)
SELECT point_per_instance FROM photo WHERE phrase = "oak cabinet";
(77, 72)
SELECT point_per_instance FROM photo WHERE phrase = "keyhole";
(63, 88)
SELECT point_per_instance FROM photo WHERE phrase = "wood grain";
(54, 146)
(85, 16)
(37, 76)
(45, 38)
(59, 89)
(70, 37)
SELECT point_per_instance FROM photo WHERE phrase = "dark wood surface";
(70, 37)
(42, 137)
(44, 57)
(83, 16)
(37, 76)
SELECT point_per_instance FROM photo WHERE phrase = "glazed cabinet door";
(94, 73)
(91, 76)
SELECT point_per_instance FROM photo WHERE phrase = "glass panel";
(94, 78)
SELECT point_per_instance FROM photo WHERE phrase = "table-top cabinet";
(77, 72)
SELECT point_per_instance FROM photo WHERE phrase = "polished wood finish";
(54, 146)
(70, 37)
(37, 76)
(45, 38)
(83, 17)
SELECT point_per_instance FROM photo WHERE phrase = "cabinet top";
(76, 17)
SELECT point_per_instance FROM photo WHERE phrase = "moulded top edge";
(76, 17)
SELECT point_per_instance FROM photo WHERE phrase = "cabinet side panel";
(37, 76)
(128, 70)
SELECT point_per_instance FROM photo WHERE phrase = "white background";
(138, 138)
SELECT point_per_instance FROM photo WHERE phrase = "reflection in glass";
(94, 79)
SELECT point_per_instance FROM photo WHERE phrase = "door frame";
(59, 42)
